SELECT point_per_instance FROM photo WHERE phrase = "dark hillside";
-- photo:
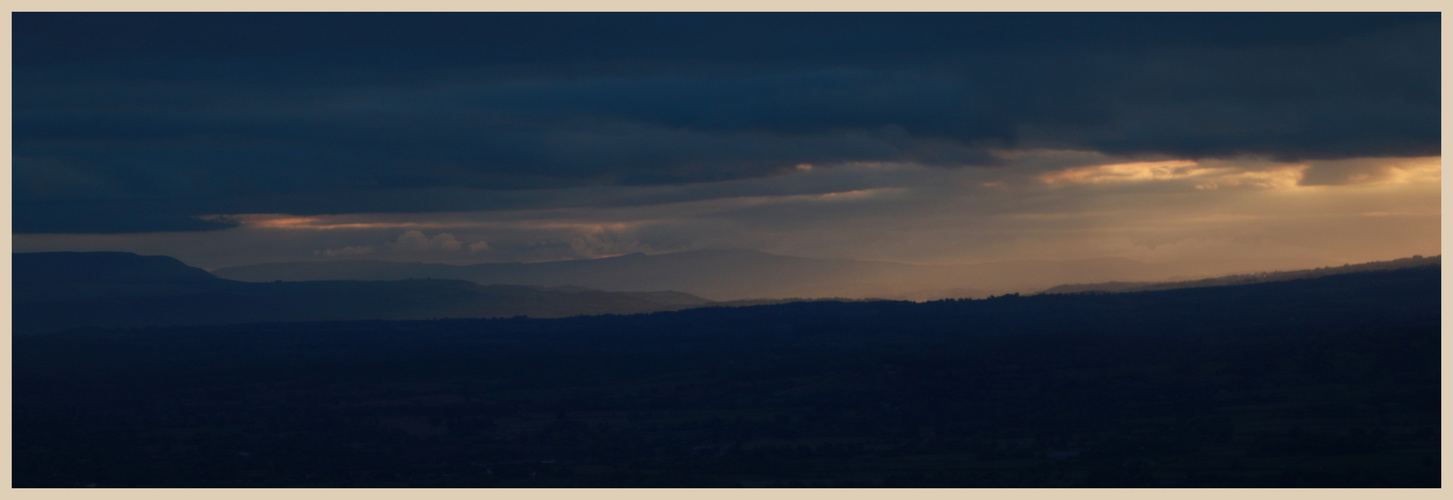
(57, 291)
(1325, 382)
(75, 275)
(712, 273)
(733, 274)
(1245, 279)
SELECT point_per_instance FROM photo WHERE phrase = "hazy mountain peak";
(50, 269)
(62, 290)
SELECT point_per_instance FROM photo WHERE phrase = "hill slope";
(1326, 382)
(55, 291)
(1243, 279)
(734, 274)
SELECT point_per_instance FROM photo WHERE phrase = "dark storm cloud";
(131, 122)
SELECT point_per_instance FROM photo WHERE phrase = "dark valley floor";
(1325, 382)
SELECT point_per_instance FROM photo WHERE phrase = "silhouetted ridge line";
(1241, 279)
(738, 274)
(56, 291)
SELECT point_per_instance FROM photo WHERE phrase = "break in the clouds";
(1207, 215)
(142, 122)
(1222, 142)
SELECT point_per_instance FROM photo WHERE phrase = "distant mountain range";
(737, 274)
(1244, 279)
(56, 291)
(61, 290)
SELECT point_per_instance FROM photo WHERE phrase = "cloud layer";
(129, 123)
(1054, 205)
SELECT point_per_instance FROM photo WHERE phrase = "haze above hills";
(738, 274)
(57, 291)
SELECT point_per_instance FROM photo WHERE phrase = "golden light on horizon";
(359, 221)
(290, 222)
(1213, 175)
(1136, 171)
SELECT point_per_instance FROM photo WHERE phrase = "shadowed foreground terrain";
(1323, 382)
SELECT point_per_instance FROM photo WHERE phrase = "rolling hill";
(1332, 381)
(735, 274)
(56, 291)
(1243, 279)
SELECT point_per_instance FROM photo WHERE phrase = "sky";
(239, 138)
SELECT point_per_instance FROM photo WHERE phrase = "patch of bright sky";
(1055, 205)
